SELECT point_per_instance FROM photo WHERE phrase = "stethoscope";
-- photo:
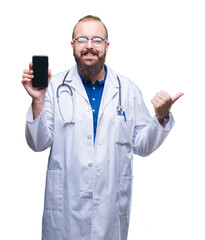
(120, 111)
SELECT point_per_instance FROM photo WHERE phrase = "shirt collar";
(102, 82)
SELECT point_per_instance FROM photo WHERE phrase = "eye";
(82, 39)
(97, 39)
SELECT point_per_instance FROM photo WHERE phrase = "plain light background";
(158, 44)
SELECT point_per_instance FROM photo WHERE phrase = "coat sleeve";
(148, 133)
(39, 132)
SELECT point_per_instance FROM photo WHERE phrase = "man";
(89, 176)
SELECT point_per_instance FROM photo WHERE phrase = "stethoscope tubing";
(119, 107)
(72, 97)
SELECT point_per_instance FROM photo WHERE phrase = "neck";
(100, 76)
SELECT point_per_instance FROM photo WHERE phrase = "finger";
(158, 99)
(164, 96)
(26, 83)
(26, 75)
(26, 80)
(177, 96)
(49, 75)
(153, 102)
(30, 66)
(27, 71)
(156, 102)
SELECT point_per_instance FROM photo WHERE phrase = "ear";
(107, 45)
(72, 44)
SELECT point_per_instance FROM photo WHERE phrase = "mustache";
(89, 51)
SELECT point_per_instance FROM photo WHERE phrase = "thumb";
(177, 96)
(49, 75)
(30, 65)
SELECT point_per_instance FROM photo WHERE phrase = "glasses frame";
(92, 40)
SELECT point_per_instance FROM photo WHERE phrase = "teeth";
(89, 54)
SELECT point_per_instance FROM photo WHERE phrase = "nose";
(89, 44)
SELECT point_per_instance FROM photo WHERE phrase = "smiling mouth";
(89, 56)
(89, 53)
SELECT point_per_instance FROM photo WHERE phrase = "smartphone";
(40, 71)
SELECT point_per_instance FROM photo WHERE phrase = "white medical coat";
(89, 184)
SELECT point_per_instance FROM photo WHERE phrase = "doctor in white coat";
(89, 176)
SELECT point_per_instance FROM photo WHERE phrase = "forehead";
(90, 28)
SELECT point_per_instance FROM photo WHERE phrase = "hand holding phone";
(27, 81)
(37, 94)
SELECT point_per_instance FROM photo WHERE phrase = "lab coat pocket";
(125, 193)
(124, 132)
(54, 190)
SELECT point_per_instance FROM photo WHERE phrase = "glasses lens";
(97, 41)
(82, 40)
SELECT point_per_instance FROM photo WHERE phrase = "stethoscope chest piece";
(119, 110)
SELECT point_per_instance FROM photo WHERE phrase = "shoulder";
(125, 82)
(58, 78)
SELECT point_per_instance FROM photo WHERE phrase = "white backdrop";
(159, 44)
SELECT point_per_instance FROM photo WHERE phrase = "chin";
(90, 62)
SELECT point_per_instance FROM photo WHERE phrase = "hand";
(162, 103)
(36, 93)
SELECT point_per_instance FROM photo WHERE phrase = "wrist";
(163, 121)
(38, 101)
(37, 106)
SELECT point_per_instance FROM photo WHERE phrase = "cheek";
(77, 51)
(101, 52)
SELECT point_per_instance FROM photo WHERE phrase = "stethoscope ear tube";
(119, 107)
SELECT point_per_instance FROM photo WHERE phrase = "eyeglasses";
(96, 41)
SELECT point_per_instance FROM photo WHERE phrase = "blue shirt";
(94, 92)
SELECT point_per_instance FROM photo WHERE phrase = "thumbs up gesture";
(162, 103)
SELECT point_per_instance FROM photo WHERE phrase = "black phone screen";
(40, 71)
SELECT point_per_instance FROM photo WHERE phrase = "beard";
(90, 71)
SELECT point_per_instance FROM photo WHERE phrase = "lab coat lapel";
(110, 89)
(74, 80)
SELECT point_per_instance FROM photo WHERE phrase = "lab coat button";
(90, 195)
(89, 137)
(90, 165)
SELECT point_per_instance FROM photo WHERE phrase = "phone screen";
(40, 71)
